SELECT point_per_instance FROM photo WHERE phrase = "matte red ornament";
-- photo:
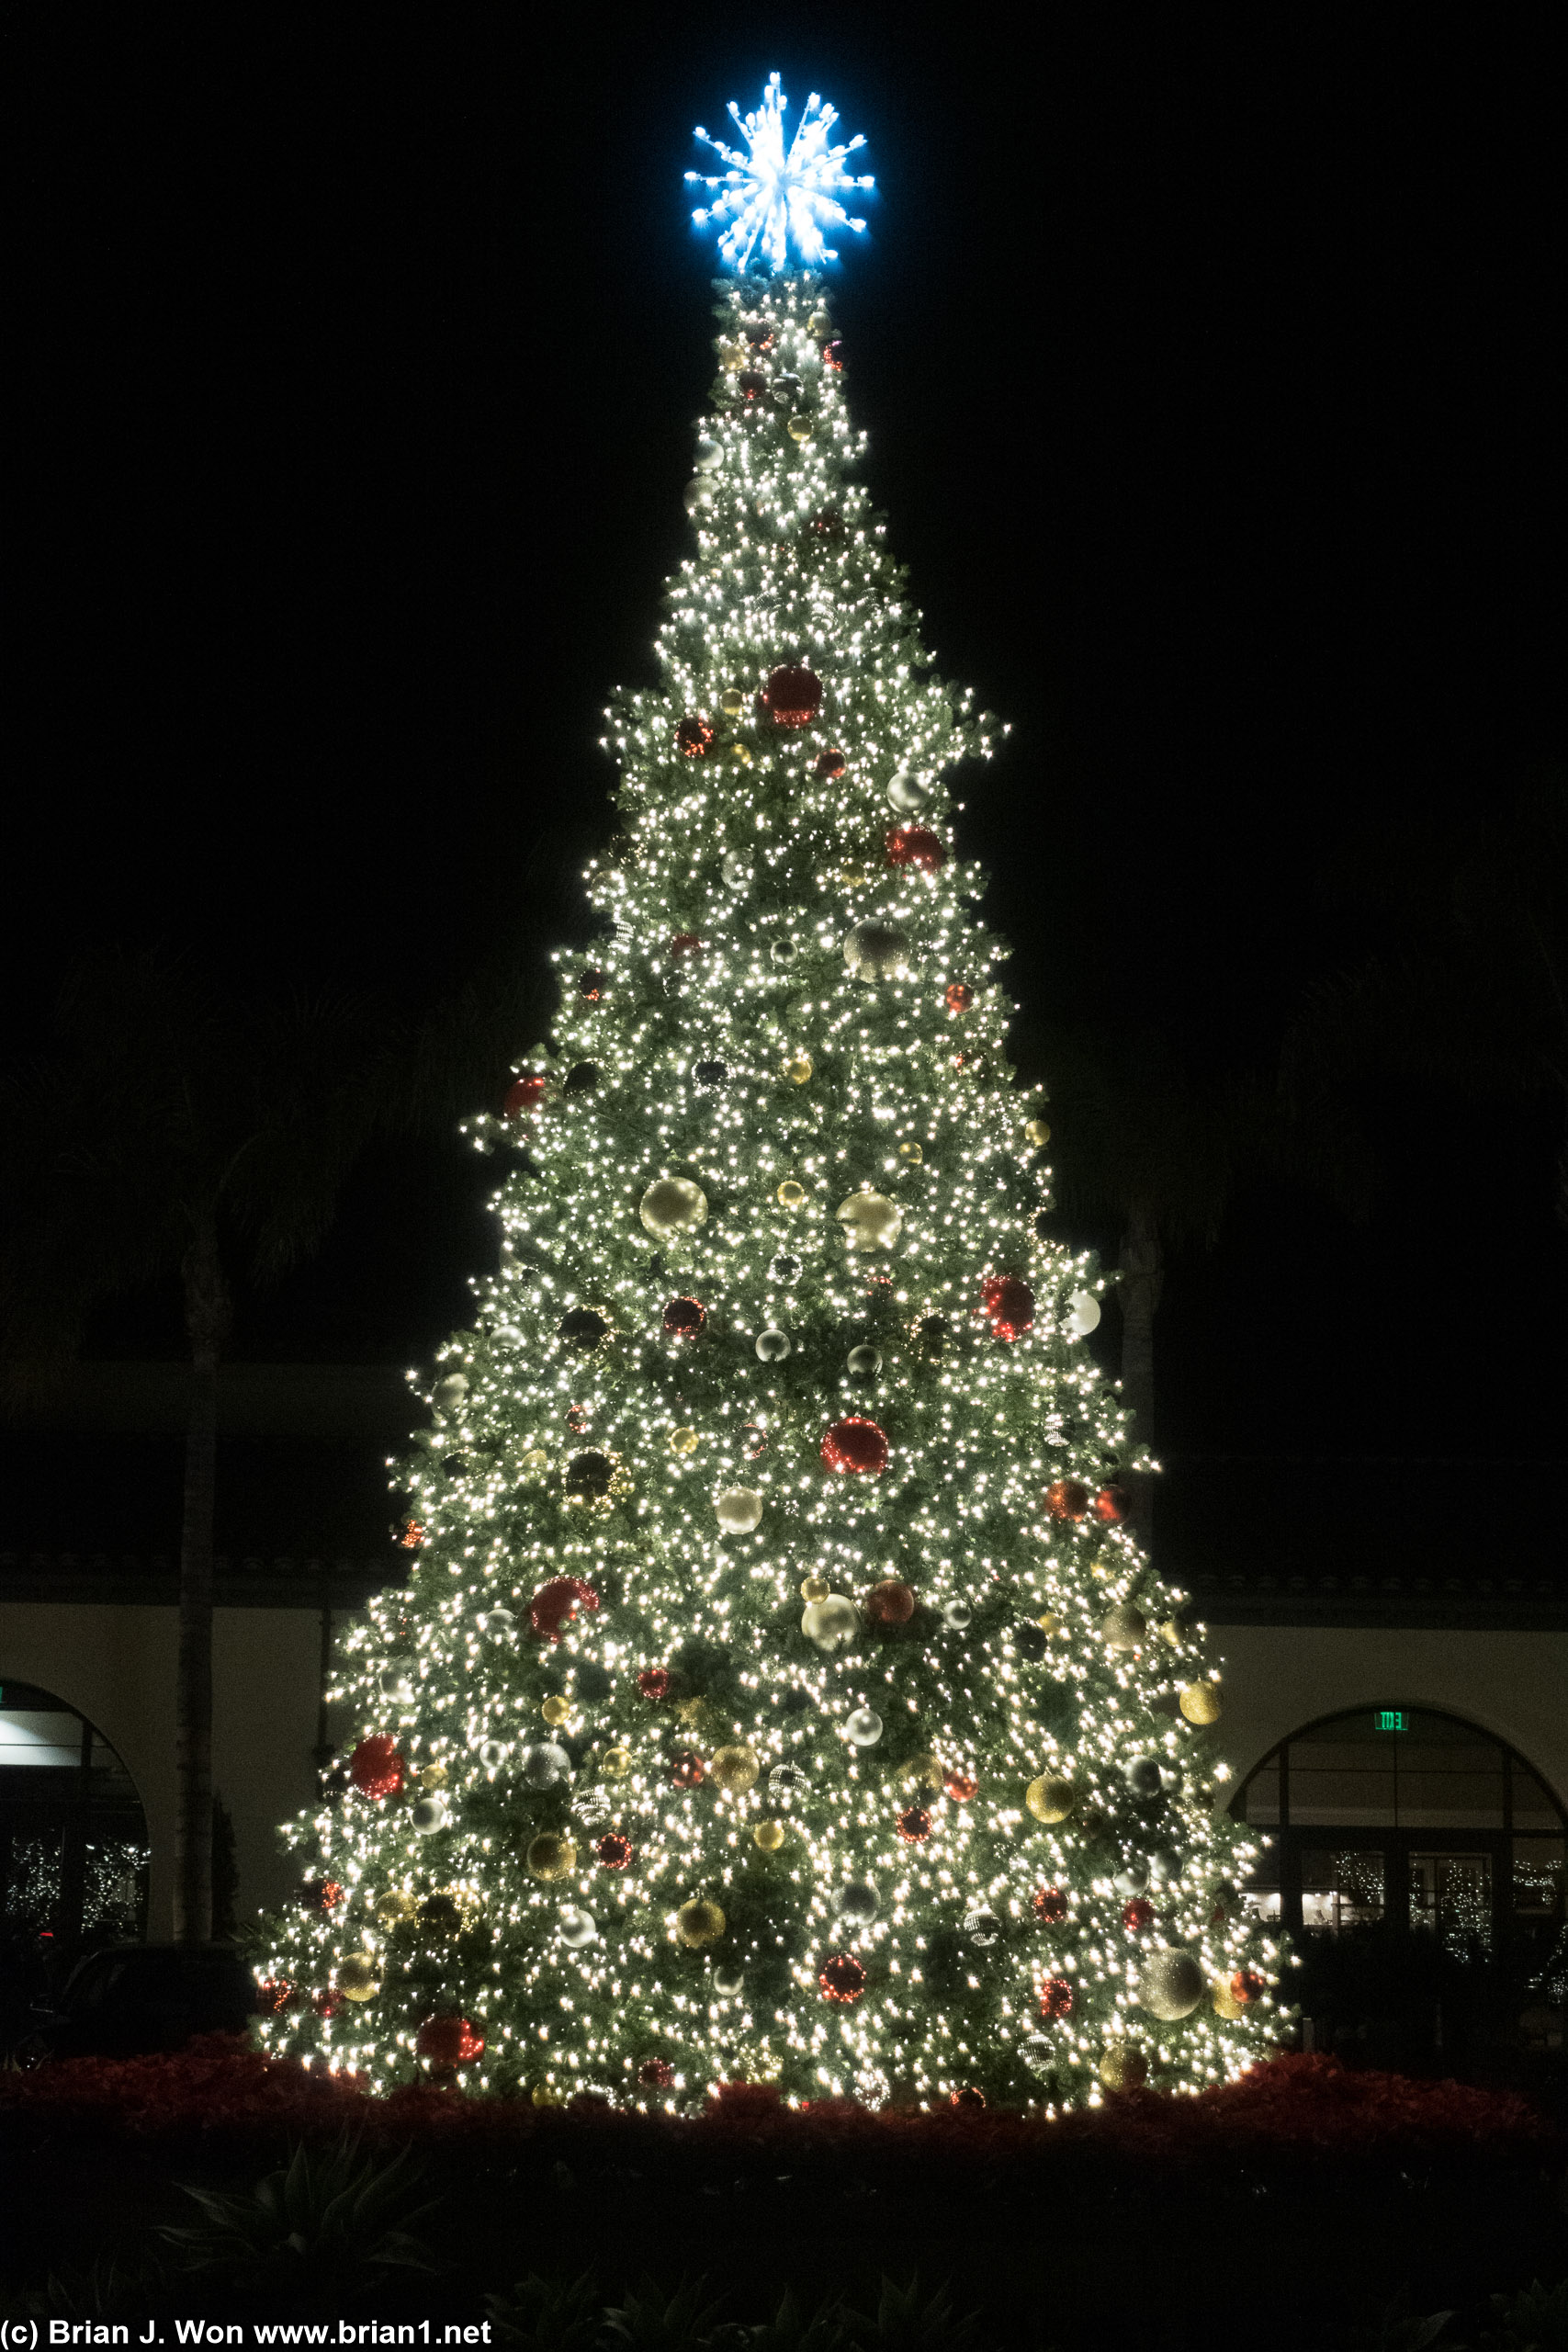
(1051, 1906)
(557, 1603)
(375, 1768)
(692, 735)
(614, 1852)
(1010, 1304)
(590, 985)
(449, 2042)
(1138, 1915)
(842, 1978)
(656, 1682)
(913, 845)
(754, 385)
(1246, 1985)
(1111, 1505)
(855, 1445)
(655, 2074)
(1056, 1997)
(957, 998)
(792, 696)
(685, 942)
(970, 2098)
(525, 1093)
(1067, 1498)
(686, 1769)
(683, 1318)
(831, 763)
(914, 1825)
(889, 1604)
(319, 1895)
(960, 1786)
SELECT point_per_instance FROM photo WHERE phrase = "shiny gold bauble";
(732, 357)
(769, 1836)
(1123, 1628)
(542, 2096)
(735, 1767)
(685, 1440)
(732, 702)
(358, 1978)
(442, 1917)
(1225, 2000)
(1170, 1984)
(433, 1776)
(910, 1151)
(741, 755)
(535, 1461)
(1122, 2068)
(831, 1625)
(921, 1771)
(550, 1855)
(799, 428)
(699, 1922)
(797, 1069)
(791, 1195)
(815, 1587)
(396, 1906)
(1037, 1132)
(819, 323)
(852, 878)
(1049, 1624)
(616, 1763)
(1050, 1798)
(1199, 1702)
(554, 1710)
(870, 1221)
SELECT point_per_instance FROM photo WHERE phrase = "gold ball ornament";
(554, 1710)
(433, 1776)
(1049, 1798)
(1123, 1628)
(358, 1978)
(550, 1855)
(799, 428)
(769, 1836)
(685, 1440)
(738, 1509)
(542, 2096)
(1226, 2004)
(815, 1587)
(831, 1625)
(819, 323)
(396, 1906)
(739, 755)
(732, 702)
(910, 1151)
(791, 1195)
(616, 1763)
(535, 1461)
(1122, 2068)
(1170, 1984)
(870, 1220)
(732, 357)
(1176, 1629)
(1199, 1702)
(674, 1205)
(699, 1922)
(1038, 1133)
(921, 1771)
(797, 1069)
(735, 1767)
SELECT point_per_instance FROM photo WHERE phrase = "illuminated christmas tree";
(780, 1695)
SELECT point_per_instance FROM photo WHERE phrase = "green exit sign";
(1391, 1719)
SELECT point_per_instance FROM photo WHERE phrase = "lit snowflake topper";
(772, 195)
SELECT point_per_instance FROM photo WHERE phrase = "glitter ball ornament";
(395, 1907)
(550, 1855)
(1050, 1907)
(1050, 1798)
(1137, 1914)
(320, 1895)
(831, 763)
(656, 1682)
(915, 1825)
(699, 1922)
(523, 1094)
(959, 1786)
(358, 1976)
(1111, 1504)
(1122, 2068)
(441, 1916)
(842, 1978)
(558, 1603)
(738, 1509)
(922, 1770)
(449, 2042)
(855, 1445)
(375, 1768)
(672, 1205)
(1067, 1498)
(792, 697)
(913, 845)
(613, 1851)
(694, 736)
(1010, 1304)
(875, 951)
(683, 1318)
(433, 1776)
(769, 1836)
(1056, 1997)
(1170, 1984)
(888, 1604)
(831, 1625)
(1199, 1702)
(1123, 1628)
(655, 2074)
(870, 1221)
(544, 1765)
(588, 1478)
(735, 1767)
(857, 1904)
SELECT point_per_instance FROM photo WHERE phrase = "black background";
(1209, 369)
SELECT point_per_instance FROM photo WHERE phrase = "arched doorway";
(73, 1845)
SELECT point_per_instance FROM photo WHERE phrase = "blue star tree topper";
(773, 196)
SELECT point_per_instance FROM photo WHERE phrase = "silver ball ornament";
(772, 1346)
(831, 1625)
(736, 870)
(1144, 1776)
(708, 453)
(1133, 1877)
(858, 1902)
(864, 1363)
(783, 952)
(545, 1765)
(982, 1926)
(450, 1392)
(729, 1979)
(428, 1814)
(499, 1621)
(863, 1727)
(576, 1928)
(957, 1613)
(492, 1753)
(909, 793)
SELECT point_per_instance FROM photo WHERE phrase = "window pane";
(1533, 1808)
(1537, 1877)
(1450, 1895)
(1341, 1888)
(1261, 1802)
(1463, 1800)
(1357, 1798)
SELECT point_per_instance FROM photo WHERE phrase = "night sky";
(1210, 375)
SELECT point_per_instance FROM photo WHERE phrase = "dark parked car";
(129, 1998)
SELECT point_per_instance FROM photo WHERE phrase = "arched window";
(1403, 1818)
(73, 1845)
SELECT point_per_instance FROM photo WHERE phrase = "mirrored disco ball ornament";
(544, 1764)
(787, 1781)
(863, 1727)
(592, 1806)
(982, 1926)
(578, 1928)
(784, 1269)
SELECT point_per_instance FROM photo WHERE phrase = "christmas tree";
(780, 1695)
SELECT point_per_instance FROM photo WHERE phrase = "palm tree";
(175, 1130)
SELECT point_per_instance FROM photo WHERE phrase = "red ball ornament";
(914, 1825)
(855, 1445)
(1056, 1997)
(684, 943)
(889, 1604)
(913, 845)
(957, 998)
(686, 1769)
(525, 1093)
(1111, 1505)
(754, 386)
(831, 763)
(1246, 1985)
(556, 1605)
(1138, 1915)
(833, 353)
(655, 2074)
(328, 2003)
(1010, 1304)
(375, 1768)
(449, 2042)
(960, 1785)
(319, 1895)
(754, 1441)
(576, 1419)
(614, 1852)
(683, 1318)
(842, 1978)
(792, 697)
(971, 2099)
(693, 736)
(1051, 1906)
(656, 1682)
(590, 985)
(410, 1535)
(828, 523)
(1067, 1498)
